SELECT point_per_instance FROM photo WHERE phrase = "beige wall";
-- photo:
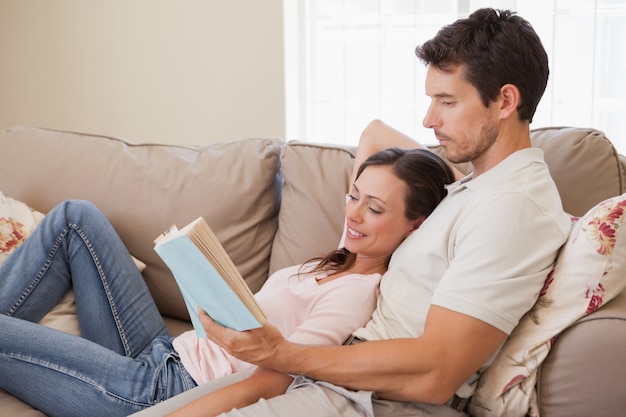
(167, 71)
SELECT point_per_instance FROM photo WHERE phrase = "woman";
(126, 360)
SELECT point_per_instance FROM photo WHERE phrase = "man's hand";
(257, 346)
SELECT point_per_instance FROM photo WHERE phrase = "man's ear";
(510, 100)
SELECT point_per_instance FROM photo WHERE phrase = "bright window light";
(351, 61)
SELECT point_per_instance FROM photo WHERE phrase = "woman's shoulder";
(289, 274)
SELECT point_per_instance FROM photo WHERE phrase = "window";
(350, 61)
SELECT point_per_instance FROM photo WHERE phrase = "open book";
(208, 278)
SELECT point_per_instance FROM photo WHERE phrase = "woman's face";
(375, 213)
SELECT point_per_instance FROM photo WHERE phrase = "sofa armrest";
(584, 374)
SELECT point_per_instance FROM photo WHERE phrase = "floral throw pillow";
(17, 222)
(590, 270)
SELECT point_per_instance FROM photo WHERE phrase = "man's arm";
(263, 383)
(378, 136)
(427, 369)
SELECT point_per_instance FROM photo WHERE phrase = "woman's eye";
(352, 197)
(374, 210)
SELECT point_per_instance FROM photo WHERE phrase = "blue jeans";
(124, 361)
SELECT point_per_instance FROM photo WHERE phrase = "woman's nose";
(354, 212)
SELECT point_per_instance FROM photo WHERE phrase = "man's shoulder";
(514, 172)
(521, 183)
(523, 173)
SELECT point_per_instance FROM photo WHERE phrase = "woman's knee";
(79, 209)
(79, 213)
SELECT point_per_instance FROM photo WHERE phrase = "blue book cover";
(202, 285)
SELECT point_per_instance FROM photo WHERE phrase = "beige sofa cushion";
(584, 164)
(143, 189)
(311, 214)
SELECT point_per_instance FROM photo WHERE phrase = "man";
(459, 285)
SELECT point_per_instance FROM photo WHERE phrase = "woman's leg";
(130, 366)
(65, 375)
(76, 247)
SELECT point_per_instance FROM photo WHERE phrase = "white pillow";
(590, 270)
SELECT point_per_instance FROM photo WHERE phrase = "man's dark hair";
(495, 47)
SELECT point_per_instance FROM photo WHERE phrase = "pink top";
(304, 311)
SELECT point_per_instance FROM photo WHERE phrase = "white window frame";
(353, 61)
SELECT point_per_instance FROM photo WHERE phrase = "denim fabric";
(124, 360)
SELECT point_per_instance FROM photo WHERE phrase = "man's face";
(464, 127)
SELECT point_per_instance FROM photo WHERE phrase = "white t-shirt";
(484, 252)
(303, 310)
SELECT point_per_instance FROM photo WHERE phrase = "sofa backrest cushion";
(236, 187)
(584, 164)
(311, 214)
(145, 188)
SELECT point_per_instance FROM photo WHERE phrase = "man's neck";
(512, 137)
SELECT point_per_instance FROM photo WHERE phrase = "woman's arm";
(263, 383)
(378, 136)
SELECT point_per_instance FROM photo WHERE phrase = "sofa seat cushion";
(590, 271)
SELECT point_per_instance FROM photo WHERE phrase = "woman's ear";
(416, 224)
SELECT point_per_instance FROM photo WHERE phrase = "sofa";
(262, 195)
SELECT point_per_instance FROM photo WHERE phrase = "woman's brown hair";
(425, 175)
